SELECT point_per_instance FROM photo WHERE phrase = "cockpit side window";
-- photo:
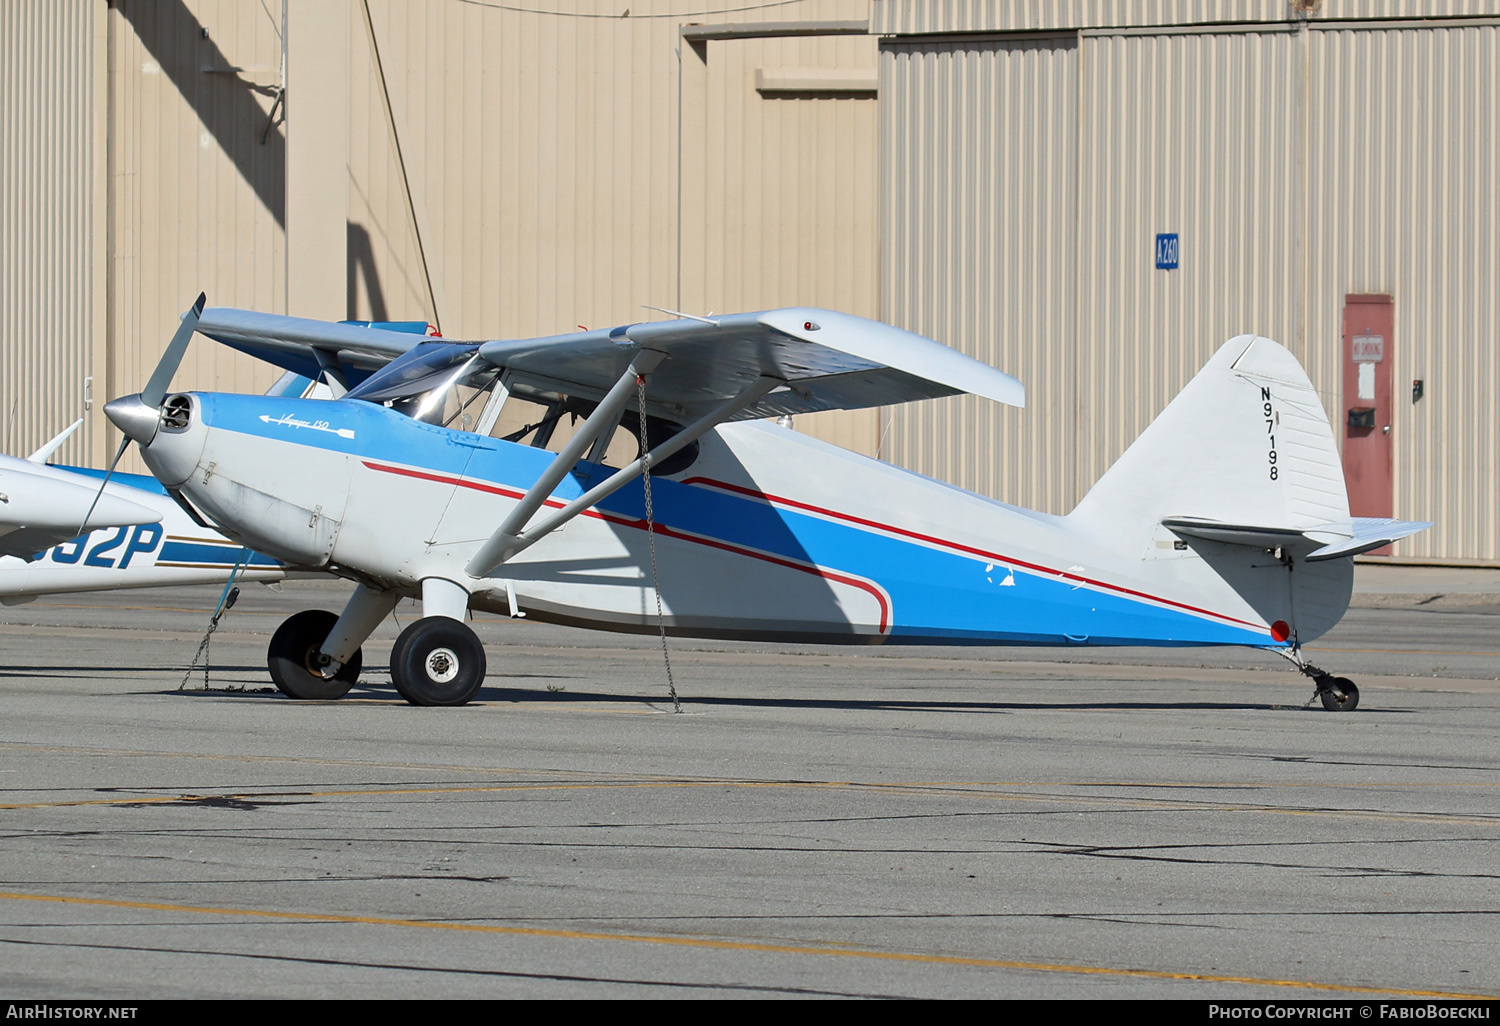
(548, 423)
(450, 384)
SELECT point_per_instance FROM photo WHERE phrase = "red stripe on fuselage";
(669, 532)
(957, 546)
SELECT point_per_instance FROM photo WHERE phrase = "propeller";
(138, 416)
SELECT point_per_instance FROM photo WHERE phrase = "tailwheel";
(1338, 694)
(438, 661)
(296, 664)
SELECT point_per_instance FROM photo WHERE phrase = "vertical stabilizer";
(1245, 445)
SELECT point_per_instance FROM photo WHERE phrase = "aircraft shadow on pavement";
(251, 681)
(689, 701)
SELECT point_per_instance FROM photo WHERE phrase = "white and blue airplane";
(1225, 523)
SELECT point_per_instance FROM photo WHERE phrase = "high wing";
(828, 361)
(348, 353)
(706, 372)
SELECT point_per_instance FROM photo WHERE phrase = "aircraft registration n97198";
(444, 474)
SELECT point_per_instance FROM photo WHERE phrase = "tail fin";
(1242, 461)
(1246, 442)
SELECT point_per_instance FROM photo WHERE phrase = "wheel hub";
(442, 665)
(321, 665)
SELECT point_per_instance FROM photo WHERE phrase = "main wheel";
(437, 661)
(293, 658)
(1341, 695)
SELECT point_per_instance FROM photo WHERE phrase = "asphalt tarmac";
(868, 822)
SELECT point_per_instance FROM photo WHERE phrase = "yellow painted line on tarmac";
(1363, 785)
(1196, 785)
(139, 800)
(396, 791)
(153, 609)
(1400, 651)
(1112, 802)
(748, 946)
(574, 707)
(924, 788)
(570, 707)
(26, 746)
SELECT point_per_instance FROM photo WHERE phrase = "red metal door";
(1369, 330)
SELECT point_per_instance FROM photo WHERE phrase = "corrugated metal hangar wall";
(1031, 153)
(52, 222)
(509, 172)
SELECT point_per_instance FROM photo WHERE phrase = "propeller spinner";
(139, 416)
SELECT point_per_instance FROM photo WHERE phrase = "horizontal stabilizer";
(1360, 534)
(1327, 541)
(1232, 534)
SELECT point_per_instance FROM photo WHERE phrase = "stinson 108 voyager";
(508, 476)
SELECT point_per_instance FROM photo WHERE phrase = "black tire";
(438, 661)
(1340, 696)
(292, 656)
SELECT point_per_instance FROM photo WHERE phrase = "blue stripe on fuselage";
(144, 482)
(211, 554)
(936, 595)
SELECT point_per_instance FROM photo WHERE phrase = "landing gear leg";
(296, 664)
(315, 655)
(1338, 694)
(362, 614)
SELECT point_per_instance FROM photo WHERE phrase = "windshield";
(434, 382)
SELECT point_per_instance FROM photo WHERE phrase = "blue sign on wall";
(1166, 252)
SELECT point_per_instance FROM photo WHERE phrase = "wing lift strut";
(516, 533)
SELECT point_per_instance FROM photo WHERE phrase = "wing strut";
(504, 544)
(494, 551)
(333, 371)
